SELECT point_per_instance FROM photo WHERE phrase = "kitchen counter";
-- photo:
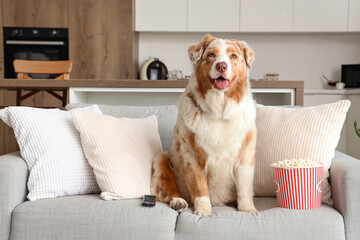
(5, 83)
(345, 91)
(116, 83)
(80, 87)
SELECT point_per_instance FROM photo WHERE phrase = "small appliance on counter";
(175, 74)
(350, 75)
(153, 69)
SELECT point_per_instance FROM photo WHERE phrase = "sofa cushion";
(88, 217)
(166, 116)
(271, 222)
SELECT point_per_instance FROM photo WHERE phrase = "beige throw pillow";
(286, 133)
(120, 150)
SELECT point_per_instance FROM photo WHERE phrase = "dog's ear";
(196, 51)
(248, 53)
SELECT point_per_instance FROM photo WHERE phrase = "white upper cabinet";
(247, 15)
(161, 15)
(354, 15)
(266, 15)
(320, 15)
(213, 15)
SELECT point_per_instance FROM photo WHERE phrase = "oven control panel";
(14, 32)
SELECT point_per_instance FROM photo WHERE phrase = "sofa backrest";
(166, 116)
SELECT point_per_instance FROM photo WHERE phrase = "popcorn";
(297, 163)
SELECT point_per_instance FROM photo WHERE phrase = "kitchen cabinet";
(354, 16)
(151, 93)
(213, 15)
(101, 39)
(35, 13)
(161, 15)
(266, 16)
(320, 15)
(247, 15)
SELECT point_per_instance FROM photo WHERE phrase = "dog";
(212, 156)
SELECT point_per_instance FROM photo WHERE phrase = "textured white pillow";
(120, 150)
(50, 145)
(286, 133)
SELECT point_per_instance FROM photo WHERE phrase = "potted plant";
(357, 130)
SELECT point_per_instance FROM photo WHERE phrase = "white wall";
(295, 56)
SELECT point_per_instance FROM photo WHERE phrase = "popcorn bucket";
(298, 187)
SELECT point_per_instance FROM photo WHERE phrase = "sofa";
(90, 217)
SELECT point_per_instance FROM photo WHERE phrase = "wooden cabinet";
(320, 15)
(354, 16)
(266, 16)
(102, 42)
(213, 15)
(36, 13)
(161, 15)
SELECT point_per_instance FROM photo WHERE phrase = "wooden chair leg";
(64, 99)
(18, 96)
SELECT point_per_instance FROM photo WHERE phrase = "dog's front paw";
(202, 206)
(246, 206)
(178, 204)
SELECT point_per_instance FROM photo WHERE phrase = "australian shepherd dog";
(211, 160)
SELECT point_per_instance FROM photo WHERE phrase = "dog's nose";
(221, 67)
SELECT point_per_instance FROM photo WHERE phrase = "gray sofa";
(89, 217)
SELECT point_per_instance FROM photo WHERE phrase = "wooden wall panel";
(2, 124)
(1, 42)
(10, 144)
(36, 13)
(2, 91)
(102, 41)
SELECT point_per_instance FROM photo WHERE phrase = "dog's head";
(221, 64)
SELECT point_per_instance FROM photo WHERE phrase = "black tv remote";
(149, 200)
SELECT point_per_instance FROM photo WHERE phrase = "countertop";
(345, 91)
(126, 83)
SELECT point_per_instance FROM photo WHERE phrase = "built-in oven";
(44, 44)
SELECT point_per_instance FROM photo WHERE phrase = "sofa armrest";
(13, 178)
(345, 187)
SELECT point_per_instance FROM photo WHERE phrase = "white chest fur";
(224, 126)
(220, 134)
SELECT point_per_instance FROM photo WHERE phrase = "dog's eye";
(233, 56)
(211, 54)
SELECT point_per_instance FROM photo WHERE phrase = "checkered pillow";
(51, 148)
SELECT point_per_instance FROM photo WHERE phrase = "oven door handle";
(24, 42)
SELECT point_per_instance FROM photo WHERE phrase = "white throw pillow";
(287, 133)
(120, 150)
(51, 148)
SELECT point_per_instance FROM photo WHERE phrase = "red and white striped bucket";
(298, 188)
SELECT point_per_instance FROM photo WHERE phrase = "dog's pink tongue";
(221, 84)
